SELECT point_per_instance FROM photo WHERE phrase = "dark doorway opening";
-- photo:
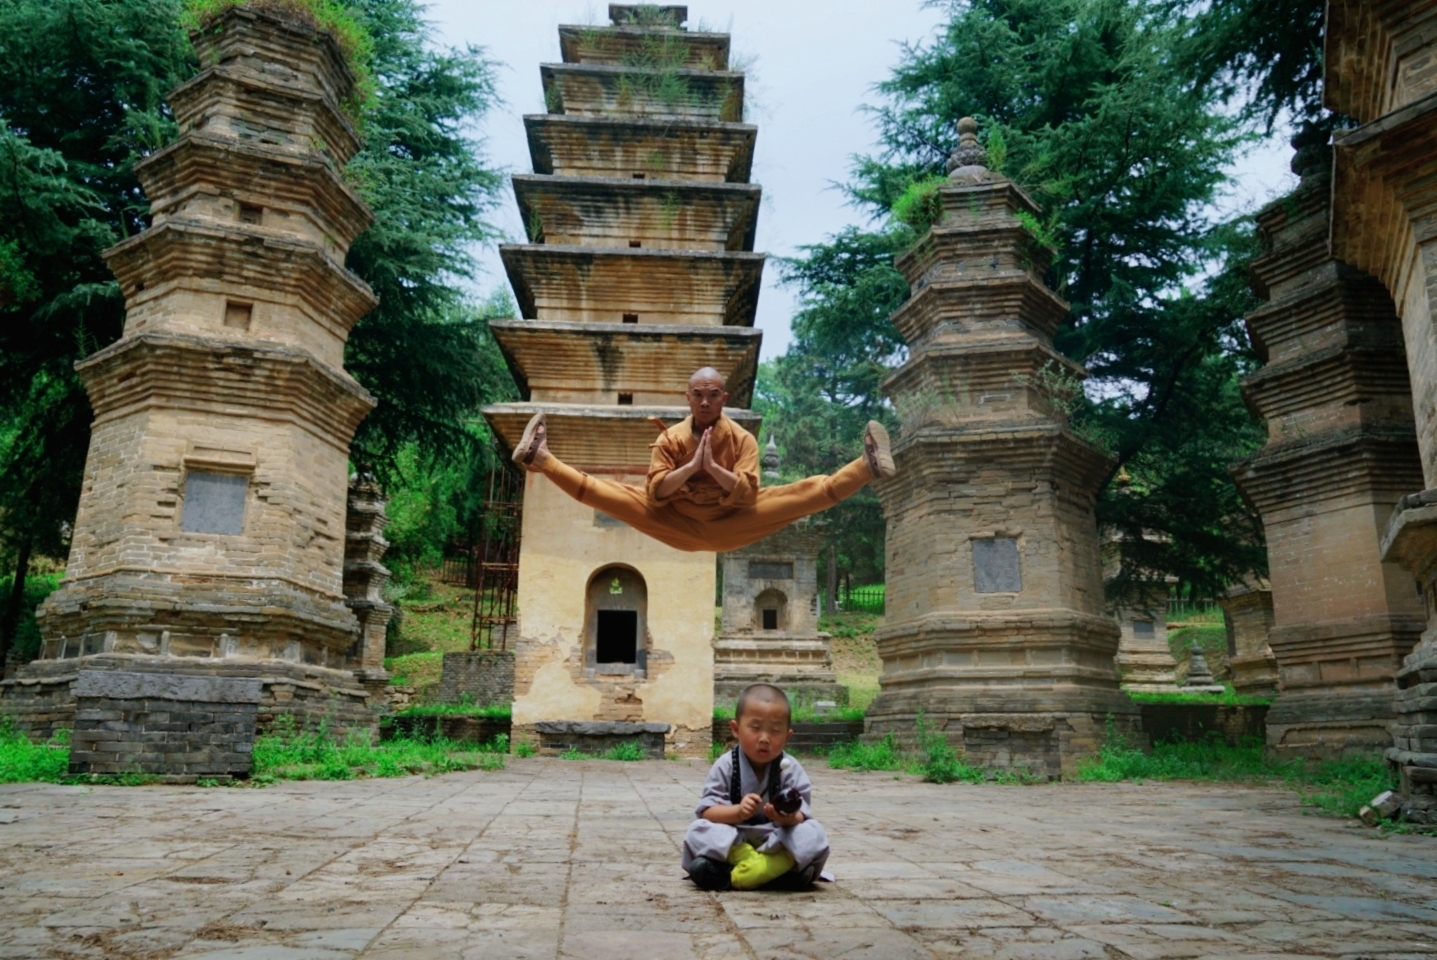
(618, 639)
(770, 619)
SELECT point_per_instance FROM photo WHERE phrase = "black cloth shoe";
(710, 874)
(794, 879)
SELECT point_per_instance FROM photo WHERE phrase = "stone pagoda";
(1381, 70)
(769, 625)
(1341, 450)
(211, 534)
(1247, 616)
(639, 270)
(995, 629)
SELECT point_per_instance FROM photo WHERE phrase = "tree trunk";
(830, 600)
(10, 624)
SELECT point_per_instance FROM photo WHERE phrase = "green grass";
(417, 669)
(1336, 788)
(287, 755)
(24, 762)
(1228, 698)
(498, 711)
(622, 751)
(934, 759)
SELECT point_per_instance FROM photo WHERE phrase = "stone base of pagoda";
(1254, 675)
(1336, 694)
(1031, 691)
(211, 617)
(1146, 666)
(40, 697)
(801, 666)
(1414, 735)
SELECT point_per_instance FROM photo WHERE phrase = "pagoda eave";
(689, 148)
(552, 355)
(625, 44)
(593, 435)
(203, 164)
(656, 286)
(621, 211)
(584, 89)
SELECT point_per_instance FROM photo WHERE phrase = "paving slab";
(553, 859)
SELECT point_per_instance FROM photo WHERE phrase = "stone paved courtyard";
(554, 858)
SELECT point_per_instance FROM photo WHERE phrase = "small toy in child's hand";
(787, 801)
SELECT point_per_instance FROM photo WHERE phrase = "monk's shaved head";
(707, 373)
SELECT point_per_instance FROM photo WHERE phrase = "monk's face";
(706, 397)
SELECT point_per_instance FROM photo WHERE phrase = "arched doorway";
(770, 611)
(616, 623)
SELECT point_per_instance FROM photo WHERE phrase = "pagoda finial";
(771, 460)
(969, 158)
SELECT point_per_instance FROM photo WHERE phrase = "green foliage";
(1334, 787)
(817, 398)
(292, 754)
(26, 642)
(574, 754)
(498, 711)
(24, 762)
(1263, 55)
(861, 755)
(623, 751)
(919, 205)
(1228, 698)
(350, 36)
(524, 750)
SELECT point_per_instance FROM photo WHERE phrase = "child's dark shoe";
(795, 879)
(710, 874)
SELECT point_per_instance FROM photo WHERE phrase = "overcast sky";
(813, 66)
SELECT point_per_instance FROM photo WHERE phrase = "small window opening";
(1144, 629)
(626, 399)
(250, 213)
(618, 639)
(238, 315)
(770, 619)
(635, 244)
(631, 318)
(638, 176)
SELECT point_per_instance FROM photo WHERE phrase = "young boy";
(740, 840)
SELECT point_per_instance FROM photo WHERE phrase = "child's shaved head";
(761, 693)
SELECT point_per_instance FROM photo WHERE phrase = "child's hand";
(792, 820)
(749, 805)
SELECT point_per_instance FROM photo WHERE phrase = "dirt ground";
(579, 859)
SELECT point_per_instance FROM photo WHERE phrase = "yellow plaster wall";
(562, 548)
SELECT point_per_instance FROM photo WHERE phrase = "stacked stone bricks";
(639, 270)
(1340, 452)
(1381, 69)
(995, 628)
(212, 522)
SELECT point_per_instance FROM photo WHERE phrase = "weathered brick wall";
(463, 729)
(180, 728)
(1197, 721)
(485, 676)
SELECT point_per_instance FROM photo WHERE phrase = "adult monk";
(703, 491)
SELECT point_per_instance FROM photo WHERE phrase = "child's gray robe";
(807, 841)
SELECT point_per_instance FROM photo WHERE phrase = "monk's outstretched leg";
(777, 507)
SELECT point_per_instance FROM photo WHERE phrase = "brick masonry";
(41, 698)
(463, 729)
(485, 677)
(1197, 721)
(180, 728)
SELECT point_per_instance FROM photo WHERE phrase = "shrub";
(919, 206)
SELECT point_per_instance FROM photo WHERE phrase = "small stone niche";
(238, 315)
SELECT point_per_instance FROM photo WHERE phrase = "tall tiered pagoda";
(995, 632)
(639, 270)
(211, 532)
